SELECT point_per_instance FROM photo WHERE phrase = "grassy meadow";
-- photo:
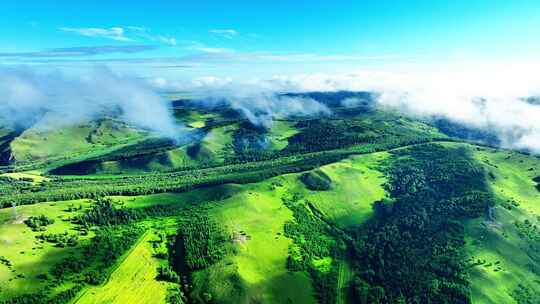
(29, 256)
(133, 280)
(503, 257)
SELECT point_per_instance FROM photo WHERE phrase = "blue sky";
(264, 38)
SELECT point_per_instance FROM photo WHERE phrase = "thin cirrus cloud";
(201, 47)
(129, 33)
(82, 51)
(146, 34)
(114, 33)
(224, 33)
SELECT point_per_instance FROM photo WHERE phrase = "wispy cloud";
(201, 47)
(254, 35)
(224, 33)
(224, 55)
(114, 33)
(146, 34)
(82, 51)
(128, 33)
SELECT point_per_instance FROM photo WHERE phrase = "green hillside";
(363, 205)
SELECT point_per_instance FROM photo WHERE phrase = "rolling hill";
(360, 205)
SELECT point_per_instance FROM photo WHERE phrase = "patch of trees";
(166, 273)
(251, 143)
(319, 142)
(313, 240)
(378, 128)
(537, 181)
(5, 261)
(38, 223)
(10, 185)
(524, 294)
(462, 131)
(175, 296)
(59, 239)
(335, 99)
(200, 242)
(88, 265)
(412, 251)
(326, 134)
(528, 230)
(316, 180)
(71, 189)
(44, 297)
(105, 212)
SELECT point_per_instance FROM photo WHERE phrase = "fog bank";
(494, 98)
(28, 95)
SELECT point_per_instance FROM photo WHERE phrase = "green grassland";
(514, 173)
(35, 176)
(28, 256)
(280, 132)
(256, 270)
(357, 182)
(257, 211)
(213, 149)
(194, 197)
(134, 279)
(266, 209)
(194, 118)
(41, 143)
(507, 258)
(216, 146)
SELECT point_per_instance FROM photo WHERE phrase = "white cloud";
(146, 34)
(254, 35)
(65, 99)
(128, 33)
(166, 40)
(201, 47)
(224, 33)
(487, 96)
(114, 33)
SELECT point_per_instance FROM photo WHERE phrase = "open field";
(28, 256)
(31, 175)
(279, 133)
(356, 184)
(133, 281)
(514, 173)
(508, 258)
(71, 141)
(260, 260)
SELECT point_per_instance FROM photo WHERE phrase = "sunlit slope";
(255, 216)
(504, 247)
(47, 143)
(216, 146)
(30, 257)
(356, 183)
(134, 280)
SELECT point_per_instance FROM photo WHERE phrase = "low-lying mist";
(51, 100)
(501, 101)
(261, 108)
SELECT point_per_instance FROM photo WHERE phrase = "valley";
(363, 205)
